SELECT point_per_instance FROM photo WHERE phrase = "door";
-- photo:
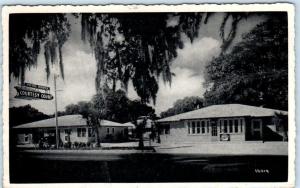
(256, 129)
(214, 131)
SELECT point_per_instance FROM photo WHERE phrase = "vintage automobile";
(47, 142)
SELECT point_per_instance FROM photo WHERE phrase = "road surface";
(79, 167)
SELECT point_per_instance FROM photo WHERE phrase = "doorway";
(256, 129)
(214, 131)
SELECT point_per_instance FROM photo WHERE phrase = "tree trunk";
(140, 132)
(158, 134)
(141, 140)
(114, 85)
(98, 139)
(100, 88)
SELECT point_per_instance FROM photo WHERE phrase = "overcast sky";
(80, 69)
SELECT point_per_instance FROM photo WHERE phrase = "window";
(203, 126)
(236, 128)
(193, 127)
(113, 130)
(236, 121)
(225, 125)
(167, 129)
(68, 131)
(220, 124)
(230, 125)
(107, 130)
(241, 124)
(207, 126)
(26, 137)
(81, 132)
(198, 127)
(67, 135)
(236, 125)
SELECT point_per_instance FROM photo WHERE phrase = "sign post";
(56, 120)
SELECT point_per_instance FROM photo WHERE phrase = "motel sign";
(32, 91)
(37, 86)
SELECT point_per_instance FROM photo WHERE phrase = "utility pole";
(56, 120)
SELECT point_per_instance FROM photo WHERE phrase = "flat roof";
(224, 110)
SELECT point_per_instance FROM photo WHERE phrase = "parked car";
(47, 142)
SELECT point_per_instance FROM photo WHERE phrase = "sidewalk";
(229, 148)
(218, 148)
(103, 145)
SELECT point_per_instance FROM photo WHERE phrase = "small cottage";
(225, 123)
(72, 128)
(131, 128)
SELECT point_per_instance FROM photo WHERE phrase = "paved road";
(59, 167)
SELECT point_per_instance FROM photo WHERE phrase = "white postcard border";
(153, 8)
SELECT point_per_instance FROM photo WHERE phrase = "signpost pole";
(56, 120)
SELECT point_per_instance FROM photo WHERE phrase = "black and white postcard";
(193, 95)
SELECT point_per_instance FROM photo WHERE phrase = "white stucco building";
(72, 128)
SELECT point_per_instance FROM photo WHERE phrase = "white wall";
(73, 135)
(102, 132)
(179, 134)
(115, 135)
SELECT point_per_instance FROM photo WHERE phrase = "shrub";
(67, 145)
(88, 144)
(82, 145)
(76, 144)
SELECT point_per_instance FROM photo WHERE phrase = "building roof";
(224, 110)
(64, 121)
(107, 123)
(129, 124)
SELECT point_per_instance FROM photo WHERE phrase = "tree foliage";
(27, 33)
(137, 47)
(24, 114)
(115, 107)
(72, 109)
(184, 105)
(255, 71)
(141, 46)
(227, 38)
(111, 105)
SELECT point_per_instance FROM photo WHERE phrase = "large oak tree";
(255, 71)
(127, 46)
